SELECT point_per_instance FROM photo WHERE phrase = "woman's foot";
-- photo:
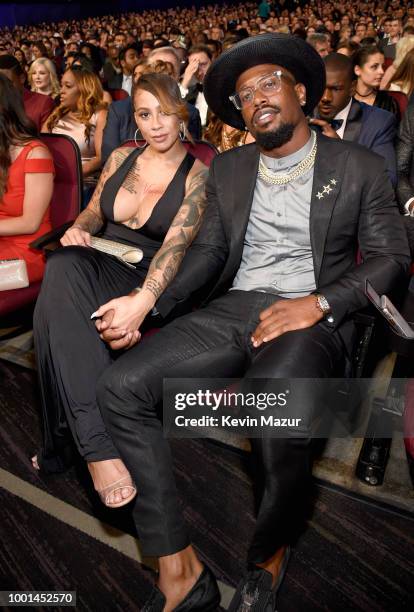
(113, 482)
(35, 463)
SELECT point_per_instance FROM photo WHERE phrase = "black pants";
(69, 352)
(213, 342)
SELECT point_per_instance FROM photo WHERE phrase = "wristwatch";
(322, 304)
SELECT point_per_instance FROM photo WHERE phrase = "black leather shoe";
(255, 592)
(203, 597)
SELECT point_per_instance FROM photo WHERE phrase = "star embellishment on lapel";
(319, 195)
(333, 181)
(327, 189)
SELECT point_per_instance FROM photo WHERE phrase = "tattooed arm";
(130, 311)
(182, 232)
(91, 220)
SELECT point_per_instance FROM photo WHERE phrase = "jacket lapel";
(242, 183)
(327, 180)
(353, 122)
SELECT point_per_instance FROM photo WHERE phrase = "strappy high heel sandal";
(123, 483)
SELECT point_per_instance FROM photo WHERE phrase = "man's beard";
(276, 138)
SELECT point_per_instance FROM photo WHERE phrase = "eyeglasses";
(268, 84)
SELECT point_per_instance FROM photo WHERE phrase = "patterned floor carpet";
(56, 535)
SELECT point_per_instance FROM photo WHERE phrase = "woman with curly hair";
(81, 114)
(43, 78)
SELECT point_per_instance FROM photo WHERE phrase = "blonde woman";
(404, 45)
(403, 79)
(43, 78)
(81, 114)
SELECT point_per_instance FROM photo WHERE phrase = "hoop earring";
(181, 131)
(136, 144)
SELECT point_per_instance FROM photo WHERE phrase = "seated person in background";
(339, 115)
(43, 78)
(368, 67)
(199, 60)
(152, 198)
(121, 126)
(405, 168)
(320, 42)
(26, 183)
(224, 137)
(37, 106)
(81, 114)
(404, 45)
(128, 59)
(403, 79)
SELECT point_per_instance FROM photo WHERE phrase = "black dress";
(70, 355)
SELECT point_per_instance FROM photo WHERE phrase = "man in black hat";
(284, 218)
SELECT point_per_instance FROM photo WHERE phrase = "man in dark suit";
(128, 59)
(37, 106)
(339, 115)
(120, 124)
(278, 241)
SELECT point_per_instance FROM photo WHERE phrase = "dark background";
(21, 13)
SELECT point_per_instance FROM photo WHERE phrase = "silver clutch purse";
(13, 274)
(126, 253)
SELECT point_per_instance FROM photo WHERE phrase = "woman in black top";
(152, 198)
(368, 67)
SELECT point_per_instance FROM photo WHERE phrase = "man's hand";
(116, 339)
(284, 316)
(327, 129)
(190, 71)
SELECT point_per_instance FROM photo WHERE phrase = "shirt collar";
(281, 163)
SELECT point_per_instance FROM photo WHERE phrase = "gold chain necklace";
(282, 179)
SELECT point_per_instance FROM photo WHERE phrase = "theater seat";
(401, 99)
(64, 207)
(118, 94)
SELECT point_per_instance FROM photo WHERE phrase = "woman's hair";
(158, 67)
(350, 45)
(404, 45)
(214, 132)
(361, 57)
(50, 67)
(404, 74)
(15, 127)
(89, 101)
(167, 92)
(42, 48)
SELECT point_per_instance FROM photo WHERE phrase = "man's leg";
(286, 463)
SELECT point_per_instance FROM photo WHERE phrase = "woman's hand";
(75, 235)
(121, 318)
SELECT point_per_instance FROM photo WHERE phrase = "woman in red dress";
(26, 183)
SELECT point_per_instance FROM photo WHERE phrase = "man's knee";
(131, 392)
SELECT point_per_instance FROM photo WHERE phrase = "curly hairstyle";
(90, 100)
(50, 67)
(15, 127)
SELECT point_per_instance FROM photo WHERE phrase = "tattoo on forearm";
(154, 286)
(166, 262)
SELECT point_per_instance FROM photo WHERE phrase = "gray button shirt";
(277, 253)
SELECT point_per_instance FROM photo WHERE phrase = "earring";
(302, 102)
(136, 143)
(181, 131)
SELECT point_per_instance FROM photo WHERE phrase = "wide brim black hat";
(290, 52)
